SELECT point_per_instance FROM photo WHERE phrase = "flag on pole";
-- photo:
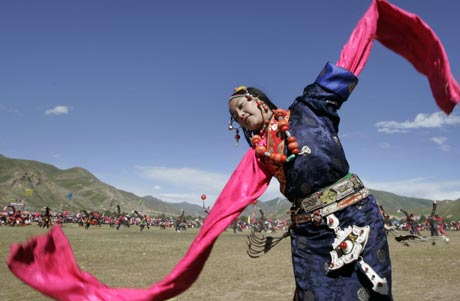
(29, 192)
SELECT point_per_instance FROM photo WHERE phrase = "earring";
(237, 136)
(230, 124)
(237, 130)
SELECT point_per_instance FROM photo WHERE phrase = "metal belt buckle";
(311, 203)
(319, 199)
(331, 194)
(343, 189)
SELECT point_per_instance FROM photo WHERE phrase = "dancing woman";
(370, 274)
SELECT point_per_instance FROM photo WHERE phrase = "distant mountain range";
(42, 184)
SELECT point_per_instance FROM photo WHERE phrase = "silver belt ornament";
(331, 194)
(348, 245)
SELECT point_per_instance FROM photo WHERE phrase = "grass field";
(130, 258)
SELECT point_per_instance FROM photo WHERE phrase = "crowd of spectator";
(11, 216)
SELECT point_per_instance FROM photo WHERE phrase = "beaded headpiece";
(240, 91)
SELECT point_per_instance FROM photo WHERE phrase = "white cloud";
(58, 110)
(434, 120)
(7, 109)
(189, 184)
(56, 156)
(420, 188)
(184, 176)
(180, 197)
(441, 142)
(385, 145)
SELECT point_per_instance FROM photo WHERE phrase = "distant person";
(388, 224)
(436, 224)
(433, 222)
(46, 219)
(411, 223)
(144, 222)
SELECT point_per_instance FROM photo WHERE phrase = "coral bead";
(346, 246)
(291, 139)
(293, 145)
(256, 139)
(279, 113)
(283, 125)
(277, 157)
(260, 150)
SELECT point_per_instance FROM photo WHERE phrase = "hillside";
(50, 186)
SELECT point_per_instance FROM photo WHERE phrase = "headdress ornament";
(238, 92)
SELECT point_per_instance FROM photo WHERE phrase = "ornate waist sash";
(345, 192)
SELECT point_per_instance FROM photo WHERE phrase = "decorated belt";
(334, 193)
(345, 192)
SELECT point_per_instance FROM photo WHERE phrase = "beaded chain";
(282, 127)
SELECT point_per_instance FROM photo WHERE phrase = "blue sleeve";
(337, 80)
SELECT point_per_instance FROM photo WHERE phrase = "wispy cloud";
(420, 188)
(56, 156)
(189, 183)
(441, 142)
(184, 176)
(58, 110)
(6, 109)
(434, 120)
(385, 145)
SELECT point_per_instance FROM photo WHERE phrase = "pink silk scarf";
(408, 35)
(47, 263)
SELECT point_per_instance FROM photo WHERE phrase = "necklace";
(280, 126)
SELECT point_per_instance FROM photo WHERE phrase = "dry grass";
(130, 258)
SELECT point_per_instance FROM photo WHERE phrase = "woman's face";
(246, 112)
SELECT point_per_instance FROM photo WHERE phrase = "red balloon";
(203, 197)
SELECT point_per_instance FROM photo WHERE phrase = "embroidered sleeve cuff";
(337, 80)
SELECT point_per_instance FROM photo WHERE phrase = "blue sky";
(136, 91)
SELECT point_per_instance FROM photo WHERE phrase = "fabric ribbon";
(47, 263)
(408, 35)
